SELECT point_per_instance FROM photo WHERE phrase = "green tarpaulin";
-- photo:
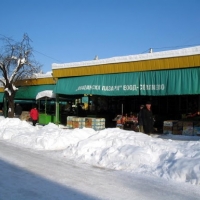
(155, 83)
(30, 92)
(1, 97)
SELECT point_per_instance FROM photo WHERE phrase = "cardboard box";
(170, 123)
(167, 130)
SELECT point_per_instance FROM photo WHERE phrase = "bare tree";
(16, 63)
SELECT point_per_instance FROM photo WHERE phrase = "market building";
(169, 79)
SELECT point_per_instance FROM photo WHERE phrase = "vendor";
(133, 118)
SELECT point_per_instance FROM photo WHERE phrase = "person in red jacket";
(34, 114)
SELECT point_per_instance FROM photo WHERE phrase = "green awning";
(30, 92)
(1, 97)
(152, 83)
(28, 101)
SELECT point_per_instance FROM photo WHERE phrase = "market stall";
(46, 106)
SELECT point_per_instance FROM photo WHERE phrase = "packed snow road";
(26, 174)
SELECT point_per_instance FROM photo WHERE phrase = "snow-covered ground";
(158, 164)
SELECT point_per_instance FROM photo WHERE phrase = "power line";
(174, 47)
(170, 47)
(47, 56)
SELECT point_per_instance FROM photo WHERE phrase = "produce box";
(188, 130)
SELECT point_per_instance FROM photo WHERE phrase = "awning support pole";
(57, 109)
(45, 107)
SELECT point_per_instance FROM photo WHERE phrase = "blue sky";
(64, 31)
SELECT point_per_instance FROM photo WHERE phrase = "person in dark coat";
(18, 111)
(147, 119)
(140, 122)
(80, 111)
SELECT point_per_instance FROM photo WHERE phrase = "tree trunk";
(11, 105)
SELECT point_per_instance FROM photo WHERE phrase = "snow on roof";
(45, 93)
(40, 75)
(147, 56)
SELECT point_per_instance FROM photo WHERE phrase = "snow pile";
(111, 148)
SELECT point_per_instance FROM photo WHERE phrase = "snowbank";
(111, 148)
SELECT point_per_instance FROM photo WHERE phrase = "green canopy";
(30, 92)
(152, 83)
(1, 97)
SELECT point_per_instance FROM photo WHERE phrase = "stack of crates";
(95, 123)
(88, 122)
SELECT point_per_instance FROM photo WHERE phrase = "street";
(28, 174)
